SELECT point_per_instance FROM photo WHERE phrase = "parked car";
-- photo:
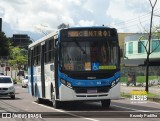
(25, 81)
(7, 88)
(1, 73)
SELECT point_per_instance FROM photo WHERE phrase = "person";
(104, 58)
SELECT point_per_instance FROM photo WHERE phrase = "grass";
(125, 95)
(140, 79)
(151, 95)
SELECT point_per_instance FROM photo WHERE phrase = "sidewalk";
(154, 90)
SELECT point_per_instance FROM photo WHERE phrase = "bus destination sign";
(89, 33)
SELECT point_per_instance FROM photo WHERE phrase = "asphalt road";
(25, 105)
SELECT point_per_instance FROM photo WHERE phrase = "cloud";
(131, 16)
(1, 11)
(26, 15)
(125, 9)
(86, 23)
(7, 29)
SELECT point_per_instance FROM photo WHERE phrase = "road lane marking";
(3, 111)
(129, 108)
(58, 110)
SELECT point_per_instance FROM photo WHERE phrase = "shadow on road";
(8, 98)
(78, 106)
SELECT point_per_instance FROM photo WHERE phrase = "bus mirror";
(52, 67)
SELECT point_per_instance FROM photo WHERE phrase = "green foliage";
(4, 44)
(18, 57)
(140, 79)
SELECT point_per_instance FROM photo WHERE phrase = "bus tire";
(55, 103)
(106, 103)
(13, 97)
(39, 100)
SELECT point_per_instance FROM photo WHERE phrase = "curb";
(154, 99)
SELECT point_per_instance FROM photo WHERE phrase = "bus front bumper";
(68, 94)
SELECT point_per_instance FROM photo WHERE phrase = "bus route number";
(90, 33)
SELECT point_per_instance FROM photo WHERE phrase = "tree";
(152, 32)
(18, 58)
(4, 45)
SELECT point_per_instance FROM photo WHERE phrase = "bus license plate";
(91, 91)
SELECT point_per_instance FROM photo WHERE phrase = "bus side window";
(55, 43)
(52, 50)
(52, 67)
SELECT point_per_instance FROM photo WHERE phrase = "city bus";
(75, 64)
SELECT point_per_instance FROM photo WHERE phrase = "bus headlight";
(63, 81)
(117, 80)
(113, 83)
(68, 84)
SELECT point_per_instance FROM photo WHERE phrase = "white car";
(25, 81)
(7, 88)
(1, 73)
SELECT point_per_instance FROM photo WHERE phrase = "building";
(135, 50)
(133, 57)
(121, 38)
(21, 40)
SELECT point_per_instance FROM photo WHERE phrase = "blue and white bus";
(75, 64)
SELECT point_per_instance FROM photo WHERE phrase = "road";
(89, 111)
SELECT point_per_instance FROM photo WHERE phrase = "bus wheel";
(105, 103)
(55, 103)
(13, 97)
(39, 100)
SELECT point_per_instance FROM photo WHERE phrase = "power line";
(136, 19)
(135, 22)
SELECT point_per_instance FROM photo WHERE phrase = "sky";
(36, 17)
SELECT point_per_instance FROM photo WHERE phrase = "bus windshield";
(89, 55)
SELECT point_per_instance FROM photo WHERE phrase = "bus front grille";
(92, 95)
(94, 89)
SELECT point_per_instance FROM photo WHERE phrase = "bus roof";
(55, 33)
(88, 27)
(42, 39)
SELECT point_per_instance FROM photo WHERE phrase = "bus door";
(56, 67)
(42, 69)
(31, 71)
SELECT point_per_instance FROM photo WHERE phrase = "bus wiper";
(77, 43)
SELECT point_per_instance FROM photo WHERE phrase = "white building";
(135, 50)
